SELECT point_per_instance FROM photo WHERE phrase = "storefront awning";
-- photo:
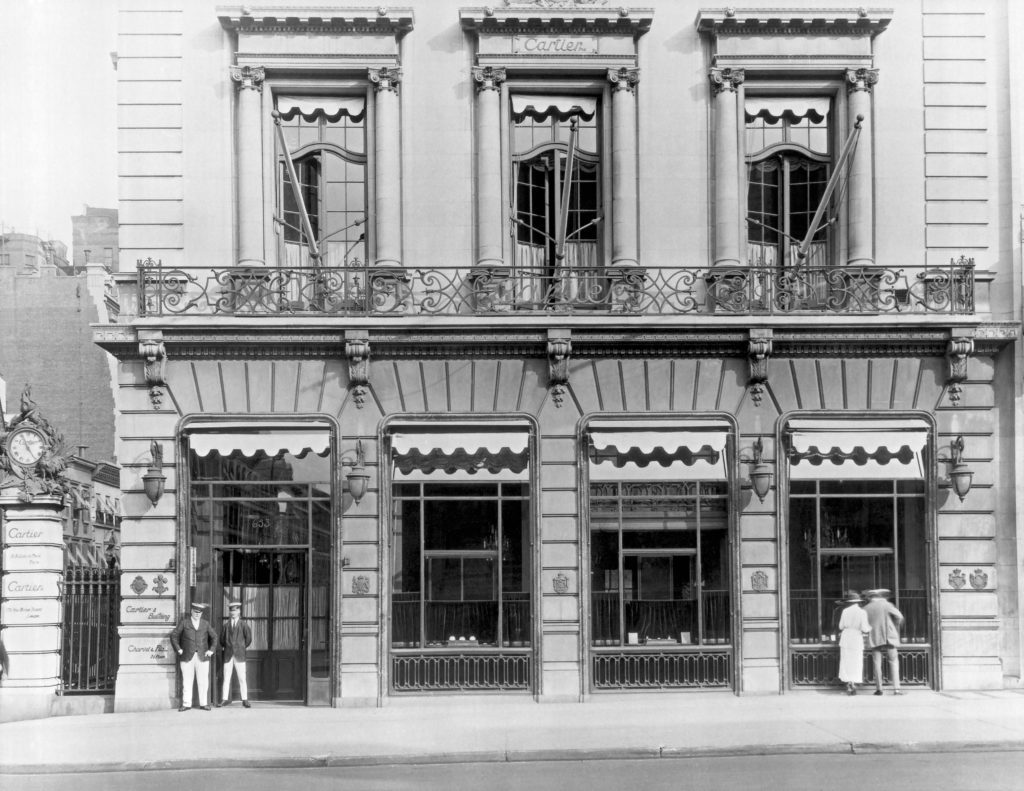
(461, 455)
(330, 107)
(540, 107)
(658, 455)
(850, 449)
(250, 443)
(773, 110)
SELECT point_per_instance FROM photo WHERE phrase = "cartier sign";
(554, 45)
(26, 531)
(30, 586)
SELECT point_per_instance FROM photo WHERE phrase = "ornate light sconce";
(960, 475)
(153, 481)
(357, 477)
(760, 471)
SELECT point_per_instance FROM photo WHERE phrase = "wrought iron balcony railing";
(414, 291)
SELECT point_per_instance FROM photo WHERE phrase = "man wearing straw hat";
(885, 621)
(194, 642)
(235, 638)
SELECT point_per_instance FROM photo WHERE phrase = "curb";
(513, 756)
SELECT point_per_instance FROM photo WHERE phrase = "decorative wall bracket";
(154, 353)
(559, 351)
(357, 349)
(759, 349)
(958, 350)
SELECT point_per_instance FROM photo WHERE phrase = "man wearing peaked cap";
(194, 642)
(235, 638)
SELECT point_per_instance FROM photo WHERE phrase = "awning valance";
(660, 454)
(792, 109)
(887, 449)
(330, 107)
(561, 107)
(449, 443)
(270, 442)
(461, 455)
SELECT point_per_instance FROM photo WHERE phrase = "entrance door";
(272, 587)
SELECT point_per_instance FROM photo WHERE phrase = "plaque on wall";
(137, 650)
(30, 612)
(29, 557)
(32, 531)
(26, 585)
(147, 611)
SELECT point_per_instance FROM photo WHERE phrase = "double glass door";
(271, 585)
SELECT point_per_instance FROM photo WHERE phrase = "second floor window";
(326, 140)
(556, 172)
(789, 161)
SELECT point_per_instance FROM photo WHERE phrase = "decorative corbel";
(357, 349)
(154, 353)
(958, 350)
(759, 349)
(559, 351)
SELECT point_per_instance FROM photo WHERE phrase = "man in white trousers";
(235, 638)
(194, 642)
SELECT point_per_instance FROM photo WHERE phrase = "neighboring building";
(555, 348)
(92, 515)
(46, 340)
(94, 238)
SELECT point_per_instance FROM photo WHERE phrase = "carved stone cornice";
(357, 350)
(861, 80)
(488, 78)
(248, 77)
(793, 21)
(385, 78)
(725, 80)
(378, 21)
(557, 17)
(624, 79)
(154, 355)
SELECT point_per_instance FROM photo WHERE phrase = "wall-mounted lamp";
(760, 472)
(357, 476)
(153, 481)
(960, 475)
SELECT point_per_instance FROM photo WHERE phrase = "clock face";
(25, 446)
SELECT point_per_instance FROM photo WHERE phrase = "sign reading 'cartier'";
(554, 45)
(20, 586)
(33, 532)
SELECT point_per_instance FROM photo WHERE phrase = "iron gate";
(89, 645)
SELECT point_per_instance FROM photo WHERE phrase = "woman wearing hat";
(853, 625)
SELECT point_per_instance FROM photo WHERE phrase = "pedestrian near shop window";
(885, 621)
(853, 625)
(195, 642)
(235, 638)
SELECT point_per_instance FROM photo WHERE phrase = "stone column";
(860, 186)
(489, 204)
(624, 176)
(31, 613)
(250, 165)
(724, 87)
(388, 205)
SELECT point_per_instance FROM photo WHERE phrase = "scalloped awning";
(332, 108)
(658, 454)
(851, 449)
(249, 439)
(461, 455)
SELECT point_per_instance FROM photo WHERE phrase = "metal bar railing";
(361, 289)
(89, 635)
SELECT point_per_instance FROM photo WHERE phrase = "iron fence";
(820, 667)
(661, 669)
(461, 672)
(89, 647)
(360, 290)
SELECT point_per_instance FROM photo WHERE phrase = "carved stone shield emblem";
(957, 579)
(759, 580)
(979, 579)
(361, 585)
(560, 583)
(139, 585)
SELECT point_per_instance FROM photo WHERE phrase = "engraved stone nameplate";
(33, 558)
(23, 585)
(30, 612)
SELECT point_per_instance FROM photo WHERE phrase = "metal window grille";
(661, 670)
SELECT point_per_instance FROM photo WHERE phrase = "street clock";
(25, 446)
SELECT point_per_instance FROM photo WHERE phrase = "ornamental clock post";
(32, 490)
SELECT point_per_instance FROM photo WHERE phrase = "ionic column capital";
(385, 78)
(725, 80)
(248, 77)
(488, 78)
(624, 79)
(861, 79)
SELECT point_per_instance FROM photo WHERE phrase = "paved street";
(906, 772)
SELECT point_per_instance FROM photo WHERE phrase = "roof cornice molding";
(552, 17)
(321, 19)
(793, 21)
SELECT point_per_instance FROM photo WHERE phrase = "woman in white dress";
(853, 625)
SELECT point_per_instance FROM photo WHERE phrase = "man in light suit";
(235, 637)
(885, 622)
(194, 642)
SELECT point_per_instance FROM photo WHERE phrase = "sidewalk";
(440, 730)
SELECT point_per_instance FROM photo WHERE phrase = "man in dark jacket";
(194, 642)
(235, 637)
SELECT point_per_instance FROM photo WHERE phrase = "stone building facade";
(557, 348)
